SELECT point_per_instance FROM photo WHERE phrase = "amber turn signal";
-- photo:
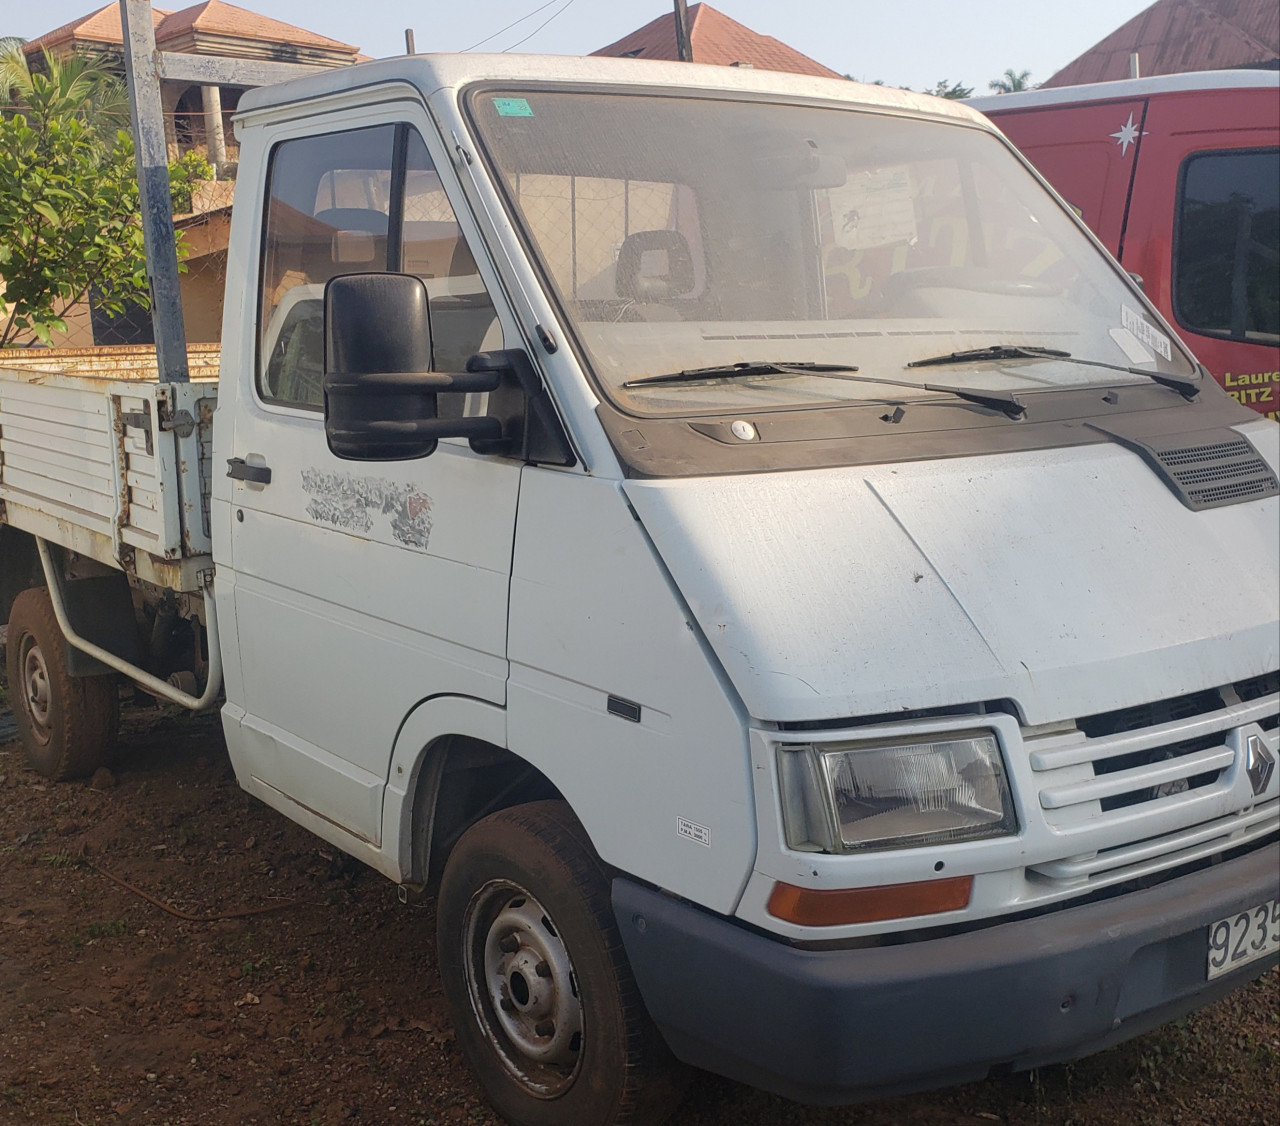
(810, 907)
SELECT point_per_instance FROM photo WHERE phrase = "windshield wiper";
(1185, 385)
(738, 371)
(1004, 401)
(994, 352)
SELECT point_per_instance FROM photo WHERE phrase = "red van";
(1179, 176)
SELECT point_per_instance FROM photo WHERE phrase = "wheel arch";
(451, 767)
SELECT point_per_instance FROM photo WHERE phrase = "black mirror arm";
(422, 429)
(414, 383)
(530, 428)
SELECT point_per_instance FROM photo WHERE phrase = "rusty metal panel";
(114, 361)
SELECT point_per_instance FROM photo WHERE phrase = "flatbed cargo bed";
(98, 456)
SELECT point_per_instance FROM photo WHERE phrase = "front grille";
(1149, 715)
(1178, 759)
(1142, 788)
(1265, 685)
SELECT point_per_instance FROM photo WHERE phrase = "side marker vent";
(1206, 469)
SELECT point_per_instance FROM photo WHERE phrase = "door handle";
(241, 470)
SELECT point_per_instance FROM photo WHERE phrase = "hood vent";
(1205, 469)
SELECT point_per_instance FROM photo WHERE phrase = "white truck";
(735, 538)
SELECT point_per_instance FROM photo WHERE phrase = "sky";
(911, 43)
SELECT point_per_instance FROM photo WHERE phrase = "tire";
(543, 1002)
(67, 723)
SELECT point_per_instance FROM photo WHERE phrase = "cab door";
(360, 588)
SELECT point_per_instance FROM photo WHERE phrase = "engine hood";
(1071, 581)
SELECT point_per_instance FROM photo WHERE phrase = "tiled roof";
(1175, 36)
(214, 17)
(102, 26)
(716, 39)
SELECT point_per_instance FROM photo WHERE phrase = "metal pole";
(408, 41)
(684, 41)
(153, 185)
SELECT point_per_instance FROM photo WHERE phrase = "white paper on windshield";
(1148, 334)
(874, 209)
(1131, 346)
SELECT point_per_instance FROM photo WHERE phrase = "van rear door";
(1088, 153)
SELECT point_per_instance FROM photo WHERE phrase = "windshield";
(688, 233)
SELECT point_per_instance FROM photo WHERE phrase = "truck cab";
(738, 542)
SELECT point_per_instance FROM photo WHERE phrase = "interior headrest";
(636, 277)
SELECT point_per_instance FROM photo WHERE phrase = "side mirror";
(379, 389)
(380, 392)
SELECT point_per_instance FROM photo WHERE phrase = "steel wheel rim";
(523, 988)
(36, 693)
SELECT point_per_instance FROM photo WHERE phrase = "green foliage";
(1012, 81)
(68, 221)
(183, 174)
(75, 84)
(954, 90)
(68, 196)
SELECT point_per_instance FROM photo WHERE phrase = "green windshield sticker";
(512, 107)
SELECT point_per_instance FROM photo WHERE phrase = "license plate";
(1243, 938)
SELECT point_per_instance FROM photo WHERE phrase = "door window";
(1226, 277)
(352, 202)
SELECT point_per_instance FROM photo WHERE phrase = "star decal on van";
(1127, 135)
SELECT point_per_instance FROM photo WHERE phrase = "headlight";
(845, 797)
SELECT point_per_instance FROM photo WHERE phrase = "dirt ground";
(328, 1010)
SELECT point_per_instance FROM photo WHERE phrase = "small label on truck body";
(699, 833)
(513, 107)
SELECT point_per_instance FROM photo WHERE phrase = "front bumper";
(836, 1026)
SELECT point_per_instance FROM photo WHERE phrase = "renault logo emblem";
(1259, 763)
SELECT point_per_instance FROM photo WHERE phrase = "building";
(196, 117)
(716, 39)
(1177, 36)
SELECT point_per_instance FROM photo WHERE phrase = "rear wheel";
(543, 1002)
(68, 724)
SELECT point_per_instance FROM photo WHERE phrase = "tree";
(76, 84)
(68, 201)
(1011, 82)
(945, 89)
(13, 63)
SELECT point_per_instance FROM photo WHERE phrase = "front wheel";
(543, 1001)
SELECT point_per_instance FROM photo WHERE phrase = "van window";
(334, 206)
(1226, 277)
